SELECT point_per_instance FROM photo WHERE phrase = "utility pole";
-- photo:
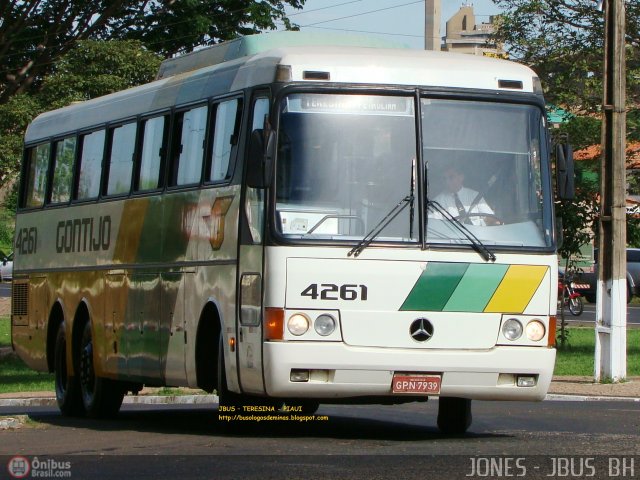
(611, 303)
(432, 25)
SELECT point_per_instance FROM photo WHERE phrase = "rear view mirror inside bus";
(260, 161)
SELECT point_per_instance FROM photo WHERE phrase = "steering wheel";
(495, 219)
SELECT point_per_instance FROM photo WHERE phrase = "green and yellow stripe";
(470, 287)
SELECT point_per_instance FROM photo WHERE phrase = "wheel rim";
(87, 376)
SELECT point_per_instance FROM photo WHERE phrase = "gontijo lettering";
(83, 234)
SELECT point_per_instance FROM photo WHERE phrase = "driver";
(462, 202)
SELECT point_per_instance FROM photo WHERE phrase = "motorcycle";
(568, 295)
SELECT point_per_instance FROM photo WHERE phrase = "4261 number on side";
(330, 291)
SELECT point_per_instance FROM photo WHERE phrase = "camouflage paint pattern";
(163, 258)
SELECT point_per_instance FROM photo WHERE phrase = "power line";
(367, 31)
(363, 13)
(322, 8)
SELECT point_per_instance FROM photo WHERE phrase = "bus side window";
(90, 165)
(188, 148)
(121, 152)
(152, 153)
(225, 138)
(36, 175)
(65, 152)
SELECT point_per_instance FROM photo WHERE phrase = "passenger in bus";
(462, 202)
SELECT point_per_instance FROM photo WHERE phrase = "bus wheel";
(454, 415)
(67, 386)
(101, 397)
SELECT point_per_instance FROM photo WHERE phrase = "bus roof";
(335, 64)
(253, 44)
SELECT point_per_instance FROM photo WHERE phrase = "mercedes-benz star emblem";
(421, 330)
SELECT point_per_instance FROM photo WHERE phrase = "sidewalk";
(583, 388)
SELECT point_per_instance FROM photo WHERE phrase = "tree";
(180, 26)
(562, 40)
(34, 34)
(92, 69)
(96, 68)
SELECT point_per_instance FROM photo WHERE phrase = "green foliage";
(174, 27)
(11, 201)
(633, 125)
(563, 41)
(93, 69)
(7, 229)
(583, 131)
(35, 35)
(15, 115)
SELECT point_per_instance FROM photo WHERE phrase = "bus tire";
(454, 415)
(67, 387)
(101, 397)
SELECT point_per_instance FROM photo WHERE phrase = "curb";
(554, 397)
(213, 399)
(132, 400)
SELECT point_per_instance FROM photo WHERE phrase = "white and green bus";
(271, 219)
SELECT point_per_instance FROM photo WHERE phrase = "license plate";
(416, 384)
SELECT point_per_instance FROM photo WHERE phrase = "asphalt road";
(589, 314)
(353, 442)
(5, 289)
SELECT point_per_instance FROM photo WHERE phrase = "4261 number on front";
(330, 291)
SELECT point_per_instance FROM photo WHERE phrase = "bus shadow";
(204, 421)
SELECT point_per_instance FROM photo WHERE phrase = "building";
(463, 35)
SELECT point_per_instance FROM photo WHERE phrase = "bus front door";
(250, 281)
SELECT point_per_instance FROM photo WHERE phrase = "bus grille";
(20, 299)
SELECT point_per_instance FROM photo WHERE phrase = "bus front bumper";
(339, 371)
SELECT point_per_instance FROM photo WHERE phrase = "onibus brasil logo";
(20, 467)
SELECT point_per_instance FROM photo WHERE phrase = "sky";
(399, 20)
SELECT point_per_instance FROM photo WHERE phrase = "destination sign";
(352, 104)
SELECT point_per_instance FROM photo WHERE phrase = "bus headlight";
(512, 329)
(325, 325)
(535, 330)
(298, 324)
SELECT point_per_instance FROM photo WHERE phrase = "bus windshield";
(346, 161)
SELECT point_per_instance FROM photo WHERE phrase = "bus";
(269, 220)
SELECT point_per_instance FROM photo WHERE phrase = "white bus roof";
(337, 64)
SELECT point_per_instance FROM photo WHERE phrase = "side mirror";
(565, 175)
(261, 159)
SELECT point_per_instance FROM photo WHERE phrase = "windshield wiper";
(375, 231)
(478, 246)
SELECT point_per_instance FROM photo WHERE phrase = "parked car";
(590, 279)
(6, 267)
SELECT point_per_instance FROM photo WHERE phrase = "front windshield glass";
(344, 162)
(483, 167)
